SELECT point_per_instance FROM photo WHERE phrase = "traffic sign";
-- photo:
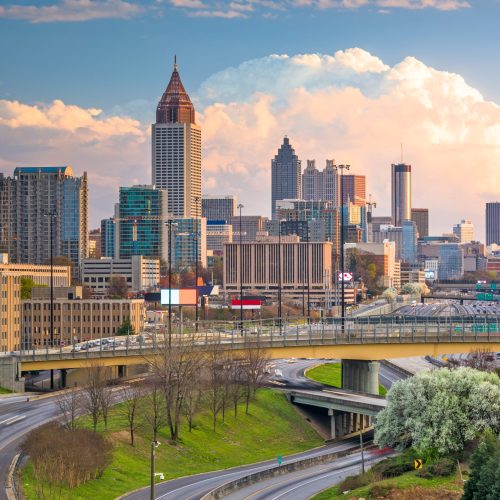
(345, 276)
(418, 462)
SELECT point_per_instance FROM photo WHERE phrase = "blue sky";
(79, 82)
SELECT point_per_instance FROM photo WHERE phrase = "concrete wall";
(8, 374)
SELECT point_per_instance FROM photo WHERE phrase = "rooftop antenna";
(401, 152)
(175, 62)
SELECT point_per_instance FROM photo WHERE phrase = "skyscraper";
(140, 222)
(464, 231)
(354, 187)
(218, 207)
(493, 223)
(320, 185)
(33, 194)
(107, 237)
(401, 193)
(409, 242)
(286, 175)
(420, 216)
(176, 150)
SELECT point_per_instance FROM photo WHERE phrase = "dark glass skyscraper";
(401, 193)
(493, 223)
(286, 175)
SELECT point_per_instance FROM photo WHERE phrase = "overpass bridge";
(359, 344)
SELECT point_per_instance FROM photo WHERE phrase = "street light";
(170, 223)
(154, 445)
(342, 237)
(196, 236)
(51, 215)
(279, 277)
(240, 206)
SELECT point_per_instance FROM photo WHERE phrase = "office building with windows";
(409, 238)
(354, 189)
(250, 226)
(450, 261)
(218, 208)
(108, 237)
(189, 242)
(401, 193)
(464, 231)
(493, 223)
(176, 150)
(140, 222)
(285, 175)
(218, 234)
(320, 185)
(421, 218)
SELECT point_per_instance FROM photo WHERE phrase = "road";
(303, 484)
(17, 418)
(196, 486)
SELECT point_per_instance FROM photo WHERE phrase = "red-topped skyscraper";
(176, 150)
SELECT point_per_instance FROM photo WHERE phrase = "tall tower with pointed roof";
(176, 150)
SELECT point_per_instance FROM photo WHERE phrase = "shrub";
(393, 467)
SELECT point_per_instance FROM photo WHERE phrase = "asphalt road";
(194, 487)
(302, 484)
(17, 418)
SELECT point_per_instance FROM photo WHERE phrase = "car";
(498, 356)
(76, 348)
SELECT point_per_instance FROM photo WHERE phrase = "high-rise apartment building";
(493, 223)
(189, 242)
(285, 175)
(464, 231)
(219, 232)
(45, 207)
(354, 189)
(218, 207)
(401, 193)
(140, 222)
(320, 185)
(176, 150)
(420, 216)
(409, 242)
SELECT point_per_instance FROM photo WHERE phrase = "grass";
(403, 482)
(5, 391)
(331, 374)
(272, 427)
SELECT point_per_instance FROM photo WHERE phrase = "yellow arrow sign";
(418, 462)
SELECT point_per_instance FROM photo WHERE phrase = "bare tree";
(481, 359)
(253, 365)
(106, 401)
(154, 409)
(92, 392)
(236, 383)
(214, 381)
(176, 367)
(132, 395)
(70, 402)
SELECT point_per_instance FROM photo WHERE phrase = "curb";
(10, 487)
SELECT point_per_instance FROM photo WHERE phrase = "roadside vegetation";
(206, 410)
(331, 374)
(448, 420)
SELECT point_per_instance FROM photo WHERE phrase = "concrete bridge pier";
(360, 376)
(63, 378)
(344, 423)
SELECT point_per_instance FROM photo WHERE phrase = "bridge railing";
(297, 333)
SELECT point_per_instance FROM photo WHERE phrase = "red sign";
(247, 304)
(345, 276)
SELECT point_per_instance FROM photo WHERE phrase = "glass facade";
(451, 261)
(409, 250)
(108, 238)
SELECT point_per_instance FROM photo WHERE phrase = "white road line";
(11, 420)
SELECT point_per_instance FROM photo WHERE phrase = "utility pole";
(279, 277)
(240, 206)
(154, 445)
(361, 445)
(196, 241)
(51, 216)
(342, 238)
(170, 223)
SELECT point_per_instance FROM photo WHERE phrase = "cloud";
(353, 107)
(72, 11)
(231, 9)
(349, 105)
(113, 149)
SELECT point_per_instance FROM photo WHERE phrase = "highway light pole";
(51, 216)
(342, 238)
(196, 236)
(240, 206)
(170, 223)
(279, 277)
(154, 445)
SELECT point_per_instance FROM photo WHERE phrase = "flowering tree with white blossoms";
(439, 411)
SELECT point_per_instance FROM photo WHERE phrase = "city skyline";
(354, 105)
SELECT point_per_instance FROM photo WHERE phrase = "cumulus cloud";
(355, 108)
(72, 11)
(114, 150)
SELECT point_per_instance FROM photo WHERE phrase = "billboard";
(345, 276)
(247, 304)
(179, 297)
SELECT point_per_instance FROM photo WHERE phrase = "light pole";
(154, 445)
(279, 276)
(170, 223)
(51, 215)
(240, 206)
(196, 236)
(342, 237)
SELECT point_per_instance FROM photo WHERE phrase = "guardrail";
(354, 331)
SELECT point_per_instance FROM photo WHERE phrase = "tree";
(70, 404)
(478, 359)
(118, 288)
(97, 396)
(154, 408)
(254, 362)
(415, 289)
(439, 411)
(126, 328)
(131, 396)
(484, 479)
(214, 381)
(390, 294)
(27, 285)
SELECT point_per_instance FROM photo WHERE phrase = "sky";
(345, 79)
